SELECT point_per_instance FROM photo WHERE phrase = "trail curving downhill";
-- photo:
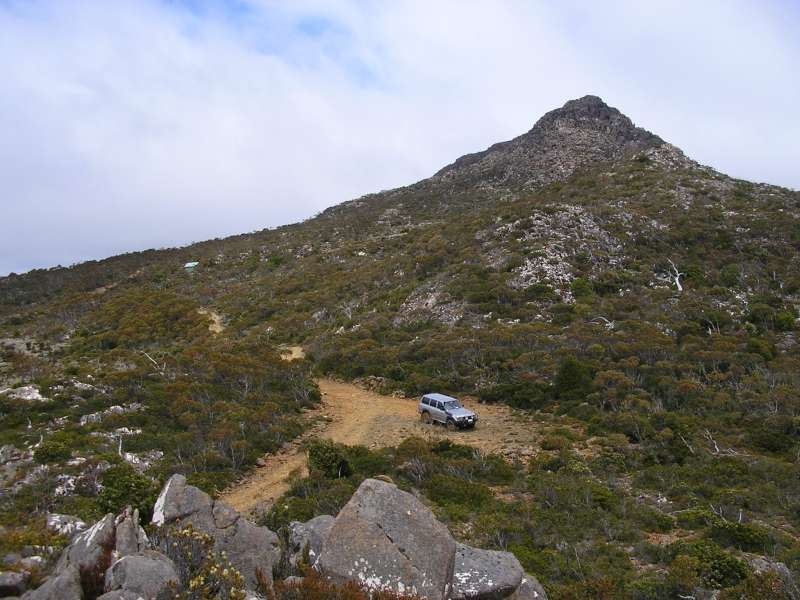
(354, 416)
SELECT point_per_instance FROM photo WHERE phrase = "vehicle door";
(438, 411)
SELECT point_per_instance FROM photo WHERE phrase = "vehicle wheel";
(450, 425)
(426, 418)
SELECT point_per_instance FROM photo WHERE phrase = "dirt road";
(353, 416)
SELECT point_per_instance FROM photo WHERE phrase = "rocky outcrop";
(249, 548)
(583, 131)
(383, 539)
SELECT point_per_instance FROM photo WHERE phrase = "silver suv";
(438, 408)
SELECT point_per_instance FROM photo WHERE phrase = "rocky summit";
(583, 131)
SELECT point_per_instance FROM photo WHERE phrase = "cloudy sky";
(149, 123)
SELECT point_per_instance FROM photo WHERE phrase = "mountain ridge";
(636, 311)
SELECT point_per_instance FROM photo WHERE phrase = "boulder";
(91, 552)
(13, 583)
(130, 537)
(485, 574)
(11, 559)
(250, 549)
(148, 574)
(66, 584)
(529, 589)
(311, 534)
(385, 538)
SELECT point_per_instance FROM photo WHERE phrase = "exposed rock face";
(485, 574)
(148, 574)
(66, 584)
(581, 132)
(387, 539)
(312, 534)
(91, 553)
(249, 548)
(130, 537)
(384, 539)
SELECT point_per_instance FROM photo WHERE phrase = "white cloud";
(134, 124)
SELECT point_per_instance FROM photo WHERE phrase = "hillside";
(637, 308)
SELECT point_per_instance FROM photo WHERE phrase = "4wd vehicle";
(438, 408)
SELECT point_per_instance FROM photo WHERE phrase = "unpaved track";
(354, 416)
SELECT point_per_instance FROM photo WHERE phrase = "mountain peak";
(583, 131)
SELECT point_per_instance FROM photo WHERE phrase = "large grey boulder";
(529, 589)
(91, 553)
(385, 538)
(13, 583)
(66, 584)
(311, 535)
(148, 574)
(250, 549)
(485, 574)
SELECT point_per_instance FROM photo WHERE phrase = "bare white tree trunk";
(676, 275)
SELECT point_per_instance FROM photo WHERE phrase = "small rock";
(13, 583)
(311, 533)
(529, 589)
(66, 584)
(485, 574)
(11, 559)
(32, 562)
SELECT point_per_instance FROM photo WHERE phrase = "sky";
(135, 124)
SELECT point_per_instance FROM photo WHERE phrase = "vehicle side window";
(426, 401)
(439, 405)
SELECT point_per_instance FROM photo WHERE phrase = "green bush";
(555, 442)
(445, 489)
(50, 451)
(715, 567)
(328, 458)
(124, 486)
(743, 536)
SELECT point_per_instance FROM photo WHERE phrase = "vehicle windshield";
(451, 404)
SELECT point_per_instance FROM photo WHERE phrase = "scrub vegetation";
(644, 301)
